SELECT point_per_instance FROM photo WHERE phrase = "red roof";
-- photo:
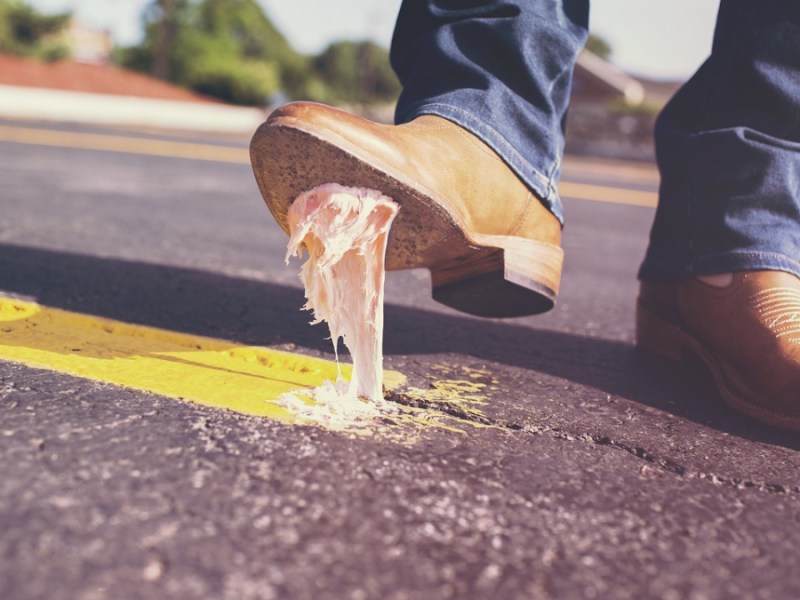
(97, 79)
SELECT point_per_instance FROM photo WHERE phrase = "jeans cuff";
(655, 271)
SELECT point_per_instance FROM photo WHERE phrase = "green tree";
(165, 18)
(27, 32)
(227, 49)
(212, 65)
(230, 49)
(256, 38)
(244, 22)
(599, 46)
(357, 72)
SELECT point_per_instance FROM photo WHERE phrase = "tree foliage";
(357, 70)
(227, 49)
(26, 32)
(599, 46)
(230, 49)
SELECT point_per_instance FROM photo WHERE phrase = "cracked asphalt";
(587, 472)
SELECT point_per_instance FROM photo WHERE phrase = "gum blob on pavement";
(344, 231)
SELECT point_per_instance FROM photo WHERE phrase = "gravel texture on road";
(585, 471)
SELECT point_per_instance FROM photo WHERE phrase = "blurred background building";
(87, 44)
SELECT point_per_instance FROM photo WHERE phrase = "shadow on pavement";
(261, 313)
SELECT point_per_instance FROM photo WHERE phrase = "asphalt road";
(588, 472)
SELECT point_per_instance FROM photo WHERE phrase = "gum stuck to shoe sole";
(489, 276)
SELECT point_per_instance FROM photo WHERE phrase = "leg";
(475, 159)
(500, 69)
(728, 148)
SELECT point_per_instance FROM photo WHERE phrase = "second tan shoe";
(747, 334)
(492, 247)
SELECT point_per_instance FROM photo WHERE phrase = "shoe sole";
(659, 337)
(483, 275)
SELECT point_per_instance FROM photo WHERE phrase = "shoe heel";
(656, 336)
(533, 265)
(510, 277)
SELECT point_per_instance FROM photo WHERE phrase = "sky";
(664, 39)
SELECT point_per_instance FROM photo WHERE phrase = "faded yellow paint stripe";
(611, 169)
(125, 144)
(204, 370)
(227, 154)
(608, 194)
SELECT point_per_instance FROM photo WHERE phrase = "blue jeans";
(728, 143)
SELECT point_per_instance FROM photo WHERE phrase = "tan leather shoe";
(747, 333)
(491, 246)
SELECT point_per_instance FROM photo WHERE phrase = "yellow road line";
(627, 172)
(227, 154)
(610, 195)
(207, 371)
(126, 144)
